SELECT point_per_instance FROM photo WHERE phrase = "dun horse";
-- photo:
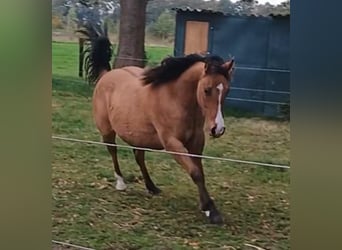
(165, 107)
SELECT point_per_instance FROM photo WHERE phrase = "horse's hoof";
(215, 218)
(120, 186)
(154, 191)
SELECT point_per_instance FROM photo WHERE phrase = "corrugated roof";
(209, 11)
(189, 9)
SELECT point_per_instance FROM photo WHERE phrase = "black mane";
(172, 67)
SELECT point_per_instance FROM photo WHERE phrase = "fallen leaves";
(101, 184)
(193, 244)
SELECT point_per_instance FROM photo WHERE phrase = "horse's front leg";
(194, 168)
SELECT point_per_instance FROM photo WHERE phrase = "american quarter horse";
(165, 107)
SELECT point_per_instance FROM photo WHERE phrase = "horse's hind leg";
(110, 138)
(140, 159)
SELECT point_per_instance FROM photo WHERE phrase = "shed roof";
(209, 11)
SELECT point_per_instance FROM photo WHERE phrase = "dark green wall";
(255, 42)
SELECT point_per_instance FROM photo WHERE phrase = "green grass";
(65, 57)
(88, 211)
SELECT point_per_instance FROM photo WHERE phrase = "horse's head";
(212, 89)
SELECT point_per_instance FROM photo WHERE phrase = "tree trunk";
(131, 34)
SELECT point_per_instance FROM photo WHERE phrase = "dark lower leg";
(194, 167)
(110, 138)
(207, 204)
(140, 159)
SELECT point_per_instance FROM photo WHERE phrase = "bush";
(57, 22)
(164, 26)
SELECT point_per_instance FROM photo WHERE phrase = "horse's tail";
(97, 55)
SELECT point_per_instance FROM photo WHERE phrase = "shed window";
(196, 37)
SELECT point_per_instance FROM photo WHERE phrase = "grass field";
(88, 211)
(65, 57)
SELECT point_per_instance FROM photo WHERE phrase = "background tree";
(71, 21)
(283, 8)
(133, 15)
(225, 6)
(131, 33)
(164, 27)
(245, 7)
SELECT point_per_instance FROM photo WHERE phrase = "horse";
(170, 106)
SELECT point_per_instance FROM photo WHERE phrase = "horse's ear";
(229, 66)
(208, 67)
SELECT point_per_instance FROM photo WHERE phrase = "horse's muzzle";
(216, 134)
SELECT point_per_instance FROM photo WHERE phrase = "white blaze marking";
(120, 184)
(219, 117)
(207, 213)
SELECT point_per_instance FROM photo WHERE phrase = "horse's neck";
(186, 86)
(189, 79)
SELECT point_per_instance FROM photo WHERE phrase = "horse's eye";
(207, 91)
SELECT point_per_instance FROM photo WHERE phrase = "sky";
(274, 2)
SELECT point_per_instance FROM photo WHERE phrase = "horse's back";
(126, 76)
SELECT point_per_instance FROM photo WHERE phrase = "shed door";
(196, 37)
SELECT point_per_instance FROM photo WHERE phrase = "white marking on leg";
(120, 184)
(219, 117)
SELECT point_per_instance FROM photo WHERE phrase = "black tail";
(98, 54)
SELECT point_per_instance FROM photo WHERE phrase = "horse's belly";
(135, 130)
(140, 138)
(128, 117)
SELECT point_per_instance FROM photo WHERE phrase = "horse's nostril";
(223, 130)
(213, 130)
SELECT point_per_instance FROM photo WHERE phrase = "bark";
(131, 34)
